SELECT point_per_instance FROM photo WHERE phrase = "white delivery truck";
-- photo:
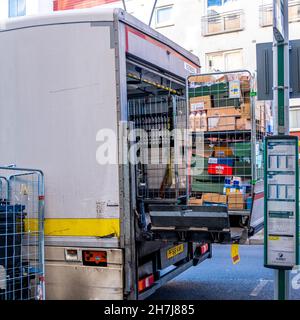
(71, 85)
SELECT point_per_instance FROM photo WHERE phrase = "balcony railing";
(266, 13)
(222, 23)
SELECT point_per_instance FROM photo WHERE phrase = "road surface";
(219, 279)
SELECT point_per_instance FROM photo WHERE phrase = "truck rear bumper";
(72, 280)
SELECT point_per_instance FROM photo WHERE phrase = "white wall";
(32, 7)
(45, 6)
(3, 9)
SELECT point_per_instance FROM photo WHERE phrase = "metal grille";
(160, 165)
(227, 126)
(21, 234)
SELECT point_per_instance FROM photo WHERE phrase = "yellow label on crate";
(235, 256)
(272, 238)
(174, 251)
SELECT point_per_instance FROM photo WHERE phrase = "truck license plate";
(174, 251)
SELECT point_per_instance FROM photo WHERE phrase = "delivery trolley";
(227, 126)
(21, 234)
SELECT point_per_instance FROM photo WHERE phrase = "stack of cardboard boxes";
(226, 105)
(221, 172)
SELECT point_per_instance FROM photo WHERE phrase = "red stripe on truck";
(259, 196)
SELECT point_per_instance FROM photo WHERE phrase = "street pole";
(281, 98)
(124, 5)
(152, 12)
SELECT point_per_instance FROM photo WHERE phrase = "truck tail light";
(146, 283)
(204, 248)
(94, 258)
(71, 255)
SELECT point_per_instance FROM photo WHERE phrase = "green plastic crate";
(242, 168)
(241, 149)
(214, 89)
(207, 187)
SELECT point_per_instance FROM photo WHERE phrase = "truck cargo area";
(156, 107)
(215, 194)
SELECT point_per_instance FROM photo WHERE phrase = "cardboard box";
(200, 103)
(221, 123)
(202, 79)
(243, 124)
(222, 78)
(214, 198)
(195, 202)
(246, 110)
(223, 152)
(245, 84)
(236, 201)
(226, 111)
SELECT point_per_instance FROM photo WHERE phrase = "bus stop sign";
(281, 202)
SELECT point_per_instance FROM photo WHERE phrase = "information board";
(281, 202)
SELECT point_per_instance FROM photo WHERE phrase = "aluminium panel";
(61, 92)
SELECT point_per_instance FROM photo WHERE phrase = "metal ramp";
(190, 223)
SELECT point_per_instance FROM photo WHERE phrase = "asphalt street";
(219, 279)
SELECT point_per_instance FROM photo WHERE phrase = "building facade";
(15, 8)
(223, 33)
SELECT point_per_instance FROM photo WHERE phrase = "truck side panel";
(61, 92)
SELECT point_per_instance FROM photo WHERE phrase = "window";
(17, 8)
(219, 3)
(164, 16)
(224, 61)
(266, 13)
(295, 119)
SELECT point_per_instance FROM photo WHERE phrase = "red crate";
(220, 169)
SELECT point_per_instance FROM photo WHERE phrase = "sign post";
(281, 86)
(281, 178)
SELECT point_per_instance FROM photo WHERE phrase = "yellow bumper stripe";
(77, 227)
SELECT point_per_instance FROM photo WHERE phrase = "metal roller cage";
(160, 124)
(21, 234)
(227, 126)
